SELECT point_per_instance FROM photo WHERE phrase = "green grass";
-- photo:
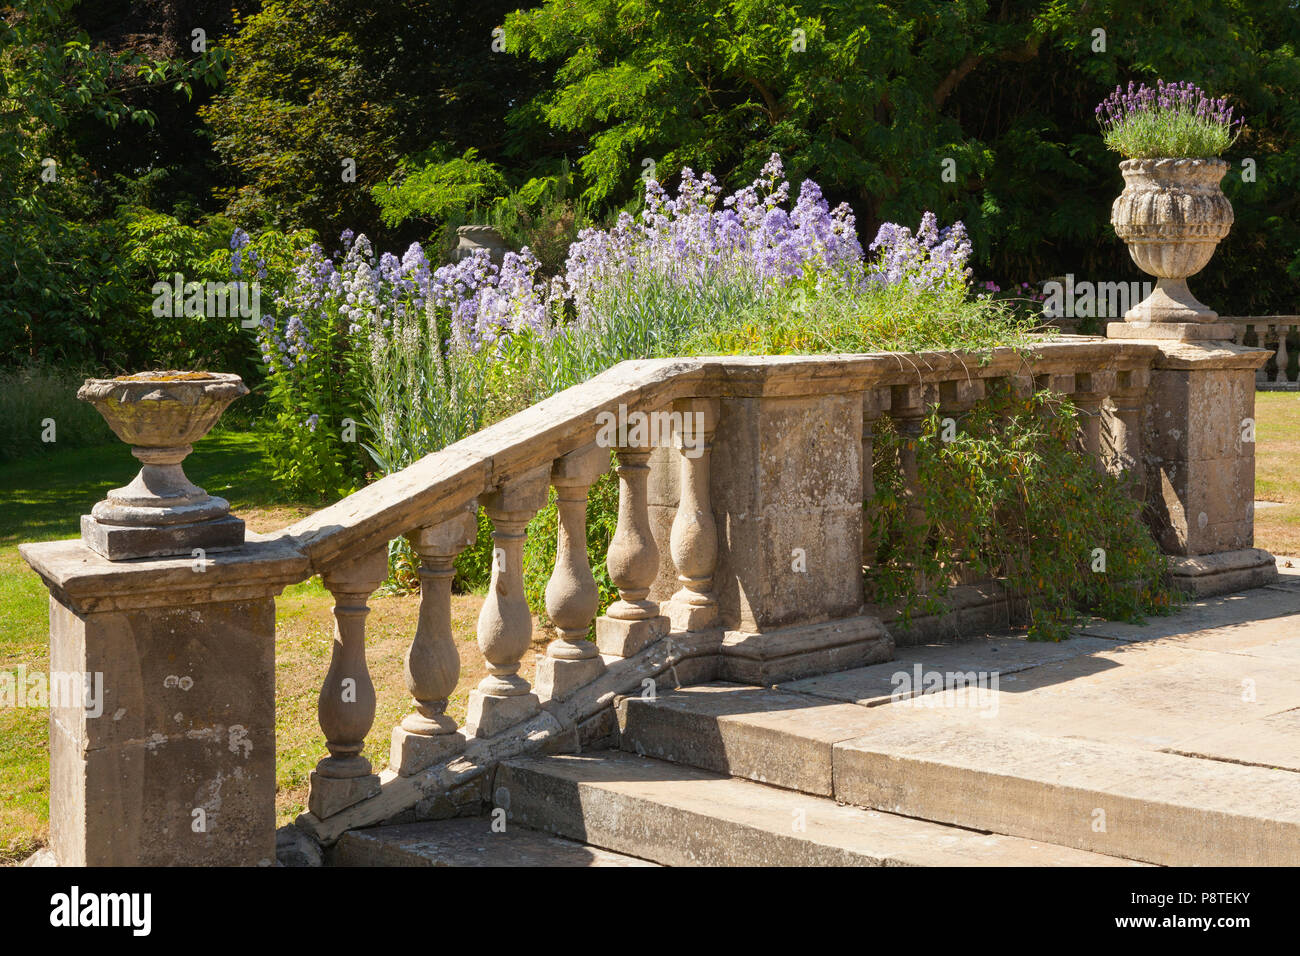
(41, 415)
(1277, 449)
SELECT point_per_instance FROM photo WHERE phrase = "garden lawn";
(42, 498)
(1277, 477)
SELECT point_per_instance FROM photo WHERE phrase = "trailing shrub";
(1009, 495)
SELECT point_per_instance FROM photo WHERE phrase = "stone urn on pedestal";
(1172, 214)
(161, 513)
(472, 238)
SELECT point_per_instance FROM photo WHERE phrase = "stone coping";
(88, 582)
(429, 489)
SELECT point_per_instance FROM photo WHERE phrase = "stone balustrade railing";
(1270, 332)
(765, 459)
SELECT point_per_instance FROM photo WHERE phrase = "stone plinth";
(174, 761)
(786, 489)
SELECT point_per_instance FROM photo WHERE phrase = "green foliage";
(1008, 493)
(435, 190)
(877, 319)
(62, 284)
(876, 101)
(317, 82)
(33, 399)
(1154, 135)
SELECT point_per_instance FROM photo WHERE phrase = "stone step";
(1148, 805)
(468, 841)
(782, 739)
(957, 768)
(683, 816)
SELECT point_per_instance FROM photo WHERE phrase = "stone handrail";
(700, 557)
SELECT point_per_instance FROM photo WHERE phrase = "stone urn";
(1171, 215)
(160, 415)
(472, 238)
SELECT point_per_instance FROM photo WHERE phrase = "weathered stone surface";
(787, 492)
(468, 842)
(1170, 331)
(555, 678)
(120, 542)
(89, 582)
(329, 795)
(293, 847)
(1155, 807)
(488, 715)
(762, 735)
(615, 638)
(175, 764)
(680, 816)
(881, 683)
(788, 653)
(1223, 572)
(410, 753)
(1201, 473)
(968, 610)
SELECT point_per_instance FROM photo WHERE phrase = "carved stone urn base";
(119, 542)
(1171, 301)
(1171, 331)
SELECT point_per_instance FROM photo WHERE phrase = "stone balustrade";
(1277, 333)
(738, 554)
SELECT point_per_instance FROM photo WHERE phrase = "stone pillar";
(787, 496)
(170, 759)
(571, 593)
(428, 736)
(346, 706)
(505, 625)
(1201, 465)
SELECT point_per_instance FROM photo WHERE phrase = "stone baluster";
(875, 402)
(908, 407)
(956, 398)
(1129, 398)
(1260, 330)
(428, 735)
(693, 540)
(346, 707)
(1089, 392)
(1283, 330)
(633, 621)
(505, 625)
(571, 593)
(1280, 357)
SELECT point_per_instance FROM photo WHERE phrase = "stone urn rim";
(166, 408)
(478, 230)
